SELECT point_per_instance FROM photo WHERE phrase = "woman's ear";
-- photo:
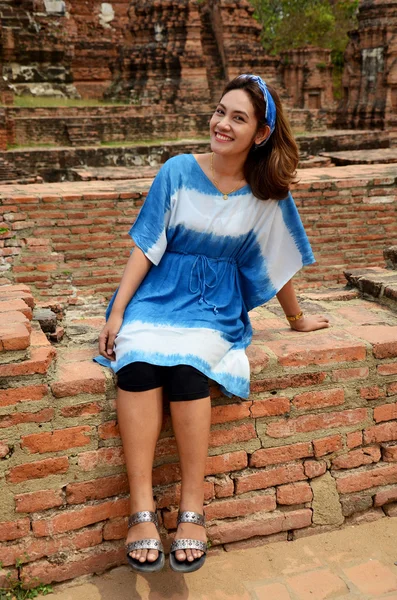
(262, 135)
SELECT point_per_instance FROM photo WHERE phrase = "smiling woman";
(218, 235)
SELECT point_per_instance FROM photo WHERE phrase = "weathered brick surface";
(65, 468)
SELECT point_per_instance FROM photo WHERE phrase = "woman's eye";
(219, 111)
(239, 118)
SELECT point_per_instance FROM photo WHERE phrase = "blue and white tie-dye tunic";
(213, 261)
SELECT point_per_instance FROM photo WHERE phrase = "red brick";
(38, 469)
(386, 432)
(166, 474)
(269, 477)
(307, 423)
(170, 496)
(379, 475)
(388, 369)
(385, 496)
(392, 389)
(39, 362)
(96, 489)
(115, 529)
(225, 463)
(31, 549)
(8, 578)
(294, 493)
(348, 374)
(81, 564)
(257, 357)
(372, 578)
(16, 304)
(4, 449)
(268, 524)
(104, 457)
(314, 468)
(322, 583)
(224, 487)
(357, 458)
(53, 441)
(389, 452)
(230, 412)
(79, 378)
(239, 433)
(327, 445)
(22, 394)
(13, 530)
(239, 507)
(14, 336)
(318, 350)
(354, 439)
(17, 418)
(281, 454)
(166, 447)
(108, 430)
(269, 407)
(382, 337)
(371, 393)
(78, 518)
(37, 501)
(81, 410)
(386, 412)
(319, 399)
(281, 383)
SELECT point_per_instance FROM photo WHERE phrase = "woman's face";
(233, 126)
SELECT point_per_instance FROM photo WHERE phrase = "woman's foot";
(142, 531)
(193, 532)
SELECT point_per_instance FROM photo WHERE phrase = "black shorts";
(181, 382)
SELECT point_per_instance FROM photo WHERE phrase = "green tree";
(296, 23)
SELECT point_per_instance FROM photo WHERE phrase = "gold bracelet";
(295, 317)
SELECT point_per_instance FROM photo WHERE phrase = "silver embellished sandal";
(187, 566)
(145, 516)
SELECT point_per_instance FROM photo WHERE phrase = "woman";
(218, 234)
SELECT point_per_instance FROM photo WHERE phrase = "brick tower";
(370, 75)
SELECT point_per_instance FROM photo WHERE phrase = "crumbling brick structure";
(370, 74)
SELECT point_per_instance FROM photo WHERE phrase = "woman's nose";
(224, 122)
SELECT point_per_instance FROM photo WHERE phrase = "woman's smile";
(221, 137)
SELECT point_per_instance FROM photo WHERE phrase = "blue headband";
(270, 114)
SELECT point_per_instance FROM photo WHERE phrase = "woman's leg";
(191, 422)
(139, 416)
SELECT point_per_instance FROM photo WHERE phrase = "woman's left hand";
(310, 323)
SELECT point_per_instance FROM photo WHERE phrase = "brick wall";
(53, 163)
(313, 448)
(119, 123)
(85, 242)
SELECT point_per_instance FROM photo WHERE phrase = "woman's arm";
(135, 271)
(289, 302)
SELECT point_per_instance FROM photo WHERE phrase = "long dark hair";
(269, 169)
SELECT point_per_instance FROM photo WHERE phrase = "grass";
(15, 589)
(154, 141)
(49, 102)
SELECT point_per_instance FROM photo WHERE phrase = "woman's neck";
(229, 166)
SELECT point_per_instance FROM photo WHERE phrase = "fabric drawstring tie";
(199, 270)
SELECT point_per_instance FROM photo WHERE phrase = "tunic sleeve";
(277, 247)
(149, 229)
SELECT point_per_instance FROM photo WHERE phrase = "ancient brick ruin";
(313, 449)
(370, 75)
(315, 446)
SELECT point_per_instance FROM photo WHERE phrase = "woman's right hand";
(108, 335)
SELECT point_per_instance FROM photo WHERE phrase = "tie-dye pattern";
(213, 261)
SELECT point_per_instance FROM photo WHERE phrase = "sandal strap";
(149, 543)
(188, 516)
(187, 543)
(143, 516)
